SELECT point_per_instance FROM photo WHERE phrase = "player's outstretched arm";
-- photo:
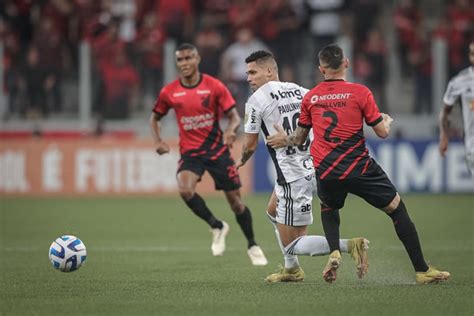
(382, 129)
(444, 129)
(230, 134)
(248, 148)
(160, 146)
(281, 139)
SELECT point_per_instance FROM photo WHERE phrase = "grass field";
(152, 256)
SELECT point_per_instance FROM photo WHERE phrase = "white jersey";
(461, 87)
(280, 103)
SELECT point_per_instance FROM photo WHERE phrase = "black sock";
(331, 221)
(199, 207)
(406, 232)
(245, 221)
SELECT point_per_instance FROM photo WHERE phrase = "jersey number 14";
(289, 128)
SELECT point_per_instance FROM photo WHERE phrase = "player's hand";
(278, 140)
(229, 138)
(387, 119)
(162, 148)
(443, 145)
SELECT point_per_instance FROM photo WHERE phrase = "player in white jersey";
(460, 87)
(274, 105)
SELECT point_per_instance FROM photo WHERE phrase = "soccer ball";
(67, 253)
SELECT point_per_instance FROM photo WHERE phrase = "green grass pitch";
(152, 256)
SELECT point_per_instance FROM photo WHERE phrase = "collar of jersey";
(193, 86)
(329, 80)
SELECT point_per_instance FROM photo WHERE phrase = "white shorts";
(294, 201)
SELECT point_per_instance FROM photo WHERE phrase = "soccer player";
(336, 110)
(460, 87)
(289, 210)
(198, 101)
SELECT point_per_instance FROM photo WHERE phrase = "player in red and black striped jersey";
(199, 101)
(336, 110)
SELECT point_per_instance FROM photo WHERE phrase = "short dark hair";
(331, 56)
(259, 55)
(185, 46)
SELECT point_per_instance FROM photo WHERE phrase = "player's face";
(187, 61)
(256, 75)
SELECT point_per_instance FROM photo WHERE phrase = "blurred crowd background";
(389, 41)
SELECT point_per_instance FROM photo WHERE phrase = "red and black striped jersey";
(336, 110)
(198, 110)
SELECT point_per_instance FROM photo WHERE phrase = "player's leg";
(291, 261)
(377, 189)
(244, 219)
(187, 181)
(189, 173)
(226, 178)
(332, 194)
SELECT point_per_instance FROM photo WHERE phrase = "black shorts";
(373, 186)
(222, 170)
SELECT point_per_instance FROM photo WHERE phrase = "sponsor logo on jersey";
(296, 93)
(327, 97)
(197, 121)
(253, 117)
(203, 91)
(179, 94)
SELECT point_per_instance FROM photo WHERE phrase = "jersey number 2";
(289, 129)
(332, 125)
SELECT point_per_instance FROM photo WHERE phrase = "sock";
(245, 221)
(313, 245)
(406, 232)
(291, 260)
(331, 220)
(199, 207)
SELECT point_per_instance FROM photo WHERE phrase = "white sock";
(291, 260)
(312, 246)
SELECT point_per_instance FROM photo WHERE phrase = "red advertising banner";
(94, 167)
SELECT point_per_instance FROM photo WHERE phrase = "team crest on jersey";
(205, 101)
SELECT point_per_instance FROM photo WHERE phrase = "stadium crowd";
(41, 40)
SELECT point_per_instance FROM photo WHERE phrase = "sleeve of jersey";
(305, 115)
(371, 112)
(225, 100)
(161, 105)
(253, 118)
(450, 96)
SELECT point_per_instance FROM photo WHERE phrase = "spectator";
(176, 18)
(407, 20)
(279, 29)
(210, 44)
(35, 83)
(324, 20)
(50, 46)
(233, 67)
(121, 83)
(149, 47)
(421, 63)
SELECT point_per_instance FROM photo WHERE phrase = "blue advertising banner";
(413, 166)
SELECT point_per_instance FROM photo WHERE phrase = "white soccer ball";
(67, 253)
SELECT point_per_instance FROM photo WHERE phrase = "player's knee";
(237, 206)
(327, 208)
(186, 193)
(392, 206)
